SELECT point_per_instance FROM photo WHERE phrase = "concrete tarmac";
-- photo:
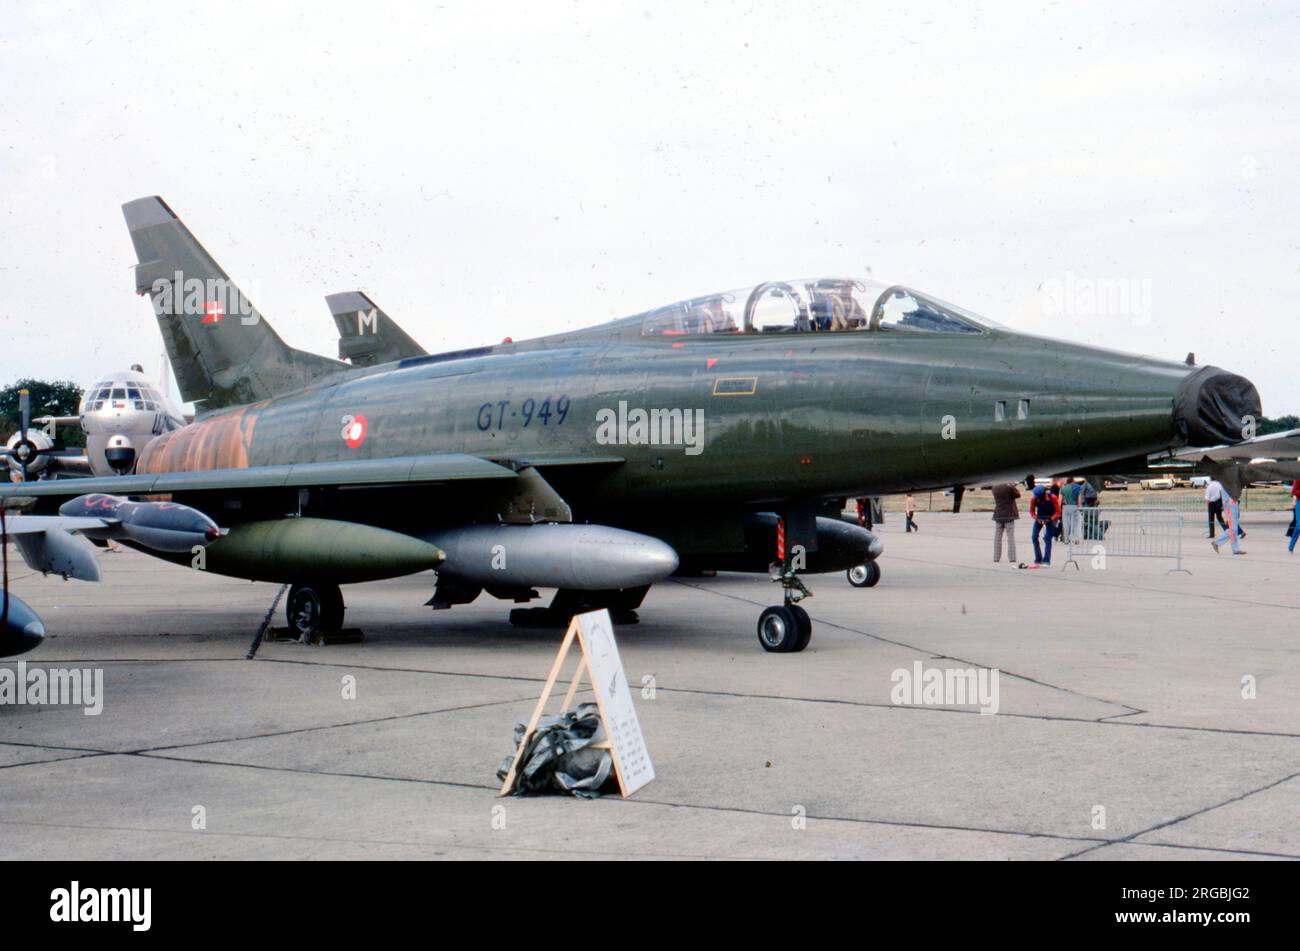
(1126, 723)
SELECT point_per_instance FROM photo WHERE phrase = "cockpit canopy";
(122, 393)
(817, 305)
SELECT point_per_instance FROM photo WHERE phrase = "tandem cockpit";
(819, 305)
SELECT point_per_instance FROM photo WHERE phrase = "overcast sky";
(1108, 175)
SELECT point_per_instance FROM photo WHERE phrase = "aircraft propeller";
(26, 451)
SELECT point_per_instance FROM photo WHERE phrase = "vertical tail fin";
(222, 351)
(368, 336)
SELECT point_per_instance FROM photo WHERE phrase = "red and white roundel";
(354, 430)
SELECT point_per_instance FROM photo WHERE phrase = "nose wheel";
(786, 628)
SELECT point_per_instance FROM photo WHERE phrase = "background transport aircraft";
(724, 431)
(119, 413)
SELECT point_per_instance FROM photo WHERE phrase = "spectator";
(1043, 508)
(864, 512)
(1071, 492)
(1214, 504)
(1005, 513)
(1234, 526)
(1088, 497)
(1086, 520)
(1070, 507)
(1058, 504)
(911, 514)
(1295, 518)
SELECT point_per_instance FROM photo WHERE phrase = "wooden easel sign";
(599, 660)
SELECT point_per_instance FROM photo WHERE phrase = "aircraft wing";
(400, 470)
(29, 524)
(57, 420)
(509, 491)
(76, 465)
(1277, 446)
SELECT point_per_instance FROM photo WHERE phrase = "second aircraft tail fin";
(368, 336)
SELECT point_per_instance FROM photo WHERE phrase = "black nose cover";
(1213, 406)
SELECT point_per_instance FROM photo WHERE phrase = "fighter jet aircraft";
(722, 431)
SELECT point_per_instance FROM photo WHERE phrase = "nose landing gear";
(786, 628)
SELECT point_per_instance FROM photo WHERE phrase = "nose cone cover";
(1213, 406)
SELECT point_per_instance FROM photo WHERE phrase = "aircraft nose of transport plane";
(1214, 406)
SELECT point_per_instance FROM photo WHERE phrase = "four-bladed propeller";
(23, 451)
(28, 450)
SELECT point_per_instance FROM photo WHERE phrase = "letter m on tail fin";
(221, 349)
(368, 336)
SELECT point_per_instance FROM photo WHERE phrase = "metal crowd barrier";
(1123, 533)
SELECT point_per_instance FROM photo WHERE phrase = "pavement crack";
(914, 647)
(1183, 818)
(329, 726)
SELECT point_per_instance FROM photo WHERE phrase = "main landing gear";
(621, 603)
(312, 608)
(786, 628)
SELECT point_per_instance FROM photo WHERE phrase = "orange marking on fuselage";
(219, 442)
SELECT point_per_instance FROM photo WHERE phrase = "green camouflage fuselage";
(799, 416)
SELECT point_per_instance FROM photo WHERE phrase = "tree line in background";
(48, 398)
(1279, 424)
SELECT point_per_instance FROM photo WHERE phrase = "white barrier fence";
(1123, 533)
(1194, 504)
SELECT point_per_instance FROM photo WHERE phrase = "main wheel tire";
(779, 629)
(805, 628)
(313, 608)
(864, 576)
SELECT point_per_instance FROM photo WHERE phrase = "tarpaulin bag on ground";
(559, 758)
(1094, 527)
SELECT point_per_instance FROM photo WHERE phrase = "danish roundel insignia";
(354, 430)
